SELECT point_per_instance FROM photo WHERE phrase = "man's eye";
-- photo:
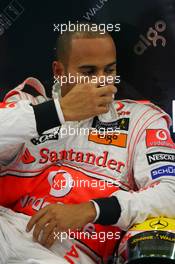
(88, 73)
(110, 71)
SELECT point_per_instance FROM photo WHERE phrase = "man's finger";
(103, 109)
(52, 238)
(40, 226)
(104, 100)
(47, 232)
(35, 218)
(106, 90)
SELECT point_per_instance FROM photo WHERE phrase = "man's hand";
(86, 100)
(57, 218)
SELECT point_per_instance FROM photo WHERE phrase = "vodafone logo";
(161, 135)
(61, 183)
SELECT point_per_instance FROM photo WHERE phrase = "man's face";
(91, 57)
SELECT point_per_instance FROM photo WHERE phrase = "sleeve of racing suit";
(154, 175)
(20, 122)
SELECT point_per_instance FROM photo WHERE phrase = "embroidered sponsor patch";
(27, 157)
(115, 139)
(160, 157)
(45, 137)
(120, 124)
(158, 137)
(163, 171)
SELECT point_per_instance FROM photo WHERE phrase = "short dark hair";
(63, 43)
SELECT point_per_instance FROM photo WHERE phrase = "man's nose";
(101, 78)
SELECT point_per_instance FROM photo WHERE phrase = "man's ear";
(58, 68)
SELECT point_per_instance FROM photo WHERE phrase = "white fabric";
(17, 246)
(97, 208)
(59, 111)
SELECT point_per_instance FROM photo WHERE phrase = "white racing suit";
(128, 172)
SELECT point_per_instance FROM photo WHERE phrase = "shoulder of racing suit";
(30, 89)
(20, 105)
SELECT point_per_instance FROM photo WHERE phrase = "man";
(134, 157)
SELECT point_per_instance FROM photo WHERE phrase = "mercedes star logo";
(158, 224)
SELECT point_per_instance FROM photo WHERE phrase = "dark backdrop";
(27, 40)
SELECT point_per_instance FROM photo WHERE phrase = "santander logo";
(103, 160)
